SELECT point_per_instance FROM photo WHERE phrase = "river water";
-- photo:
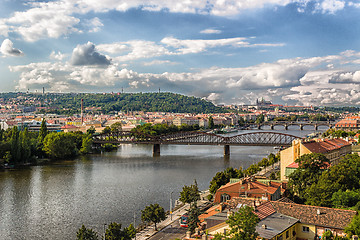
(53, 201)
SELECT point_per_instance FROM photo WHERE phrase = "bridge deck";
(201, 138)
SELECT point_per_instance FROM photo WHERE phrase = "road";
(171, 232)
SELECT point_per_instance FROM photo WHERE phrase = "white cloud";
(53, 19)
(139, 49)
(330, 6)
(213, 97)
(305, 81)
(44, 20)
(57, 56)
(200, 45)
(159, 62)
(86, 54)
(94, 24)
(7, 49)
(352, 4)
(210, 31)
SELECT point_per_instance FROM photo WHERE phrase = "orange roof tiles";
(326, 145)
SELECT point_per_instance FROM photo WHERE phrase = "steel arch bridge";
(200, 138)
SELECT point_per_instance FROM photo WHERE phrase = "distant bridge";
(301, 125)
(199, 138)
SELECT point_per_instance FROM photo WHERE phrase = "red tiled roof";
(326, 145)
(293, 165)
(314, 215)
(68, 127)
(264, 210)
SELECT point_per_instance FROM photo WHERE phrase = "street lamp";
(171, 206)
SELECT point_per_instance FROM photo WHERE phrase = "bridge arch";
(201, 138)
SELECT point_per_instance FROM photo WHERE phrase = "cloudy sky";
(303, 52)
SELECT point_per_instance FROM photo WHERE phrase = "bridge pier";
(156, 150)
(286, 127)
(272, 126)
(316, 127)
(301, 127)
(226, 150)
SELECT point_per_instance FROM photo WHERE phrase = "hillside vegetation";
(106, 103)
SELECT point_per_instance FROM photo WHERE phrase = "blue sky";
(295, 52)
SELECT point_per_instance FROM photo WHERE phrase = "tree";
(190, 194)
(327, 235)
(106, 130)
(86, 144)
(86, 234)
(43, 131)
(153, 213)
(254, 168)
(116, 127)
(211, 123)
(241, 121)
(60, 145)
(343, 176)
(222, 178)
(309, 171)
(260, 119)
(114, 232)
(91, 130)
(130, 231)
(348, 198)
(354, 226)
(242, 225)
(25, 146)
(194, 212)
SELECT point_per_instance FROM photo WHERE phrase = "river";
(53, 201)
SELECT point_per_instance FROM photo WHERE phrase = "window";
(305, 229)
(287, 234)
(224, 197)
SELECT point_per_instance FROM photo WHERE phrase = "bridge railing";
(253, 138)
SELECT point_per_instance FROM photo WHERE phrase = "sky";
(294, 52)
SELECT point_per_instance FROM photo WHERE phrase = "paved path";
(148, 232)
(164, 226)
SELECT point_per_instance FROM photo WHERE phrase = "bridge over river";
(300, 124)
(198, 138)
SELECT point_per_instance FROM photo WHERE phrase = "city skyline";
(303, 52)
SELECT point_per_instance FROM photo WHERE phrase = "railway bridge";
(198, 138)
(286, 124)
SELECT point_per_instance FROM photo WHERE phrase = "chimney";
(263, 226)
(318, 212)
(82, 111)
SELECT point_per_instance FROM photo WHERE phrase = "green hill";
(148, 102)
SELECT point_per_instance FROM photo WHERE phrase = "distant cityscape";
(28, 110)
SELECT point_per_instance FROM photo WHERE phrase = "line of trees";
(106, 103)
(19, 147)
(147, 129)
(113, 232)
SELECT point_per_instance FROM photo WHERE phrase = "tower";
(82, 111)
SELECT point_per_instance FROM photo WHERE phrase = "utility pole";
(134, 226)
(171, 206)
